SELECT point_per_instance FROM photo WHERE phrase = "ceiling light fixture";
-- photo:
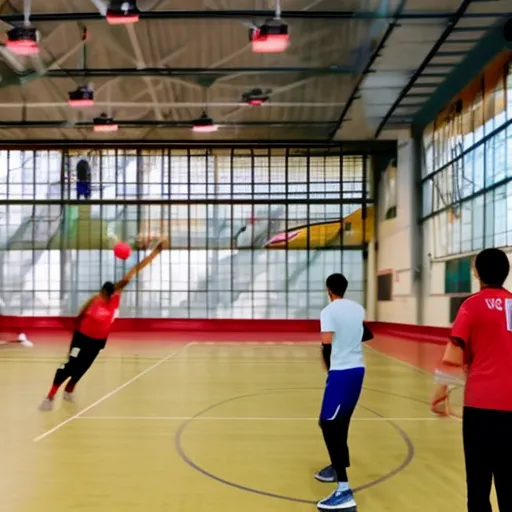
(204, 124)
(122, 12)
(23, 41)
(271, 37)
(256, 97)
(82, 97)
(105, 124)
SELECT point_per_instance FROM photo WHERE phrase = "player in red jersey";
(481, 343)
(93, 326)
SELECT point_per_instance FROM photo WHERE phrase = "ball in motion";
(122, 250)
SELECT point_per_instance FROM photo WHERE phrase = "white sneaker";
(23, 341)
(68, 397)
(46, 405)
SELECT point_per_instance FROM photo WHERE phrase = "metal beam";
(475, 61)
(141, 63)
(212, 72)
(426, 61)
(192, 200)
(348, 147)
(163, 124)
(246, 14)
(170, 104)
(367, 69)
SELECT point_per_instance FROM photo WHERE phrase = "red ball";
(122, 250)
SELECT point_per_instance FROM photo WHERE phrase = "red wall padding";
(421, 333)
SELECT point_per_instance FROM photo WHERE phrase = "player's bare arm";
(120, 285)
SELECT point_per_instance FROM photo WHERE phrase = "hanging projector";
(82, 97)
(204, 124)
(256, 97)
(122, 12)
(271, 37)
(104, 124)
(23, 41)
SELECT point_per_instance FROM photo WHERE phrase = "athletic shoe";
(68, 397)
(339, 500)
(326, 475)
(22, 339)
(46, 405)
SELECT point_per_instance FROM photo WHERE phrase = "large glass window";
(250, 233)
(466, 182)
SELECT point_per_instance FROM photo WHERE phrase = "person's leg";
(335, 435)
(477, 432)
(502, 451)
(87, 190)
(79, 189)
(342, 392)
(64, 371)
(85, 359)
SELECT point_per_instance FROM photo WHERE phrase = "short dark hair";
(492, 267)
(108, 288)
(337, 284)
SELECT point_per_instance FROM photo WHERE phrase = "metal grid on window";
(250, 234)
(467, 188)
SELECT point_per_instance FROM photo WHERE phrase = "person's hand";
(158, 241)
(439, 403)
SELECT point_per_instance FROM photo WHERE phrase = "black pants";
(82, 353)
(488, 452)
(335, 434)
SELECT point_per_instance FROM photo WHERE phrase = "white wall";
(436, 305)
(397, 247)
(395, 242)
(396, 251)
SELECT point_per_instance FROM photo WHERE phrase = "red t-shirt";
(99, 316)
(484, 325)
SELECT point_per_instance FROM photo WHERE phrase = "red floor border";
(304, 329)
(21, 323)
(418, 333)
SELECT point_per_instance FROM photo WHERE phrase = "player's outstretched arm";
(120, 285)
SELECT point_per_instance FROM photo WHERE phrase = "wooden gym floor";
(185, 425)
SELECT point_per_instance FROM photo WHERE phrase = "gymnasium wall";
(466, 203)
(392, 257)
(467, 189)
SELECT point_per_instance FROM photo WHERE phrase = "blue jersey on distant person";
(344, 318)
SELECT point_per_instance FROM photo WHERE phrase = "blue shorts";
(342, 391)
(83, 188)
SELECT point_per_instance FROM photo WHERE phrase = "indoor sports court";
(213, 424)
(198, 169)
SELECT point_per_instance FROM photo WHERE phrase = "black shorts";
(82, 341)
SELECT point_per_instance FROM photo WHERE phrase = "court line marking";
(239, 418)
(110, 394)
(405, 363)
(413, 367)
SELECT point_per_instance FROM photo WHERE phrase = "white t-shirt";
(345, 319)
